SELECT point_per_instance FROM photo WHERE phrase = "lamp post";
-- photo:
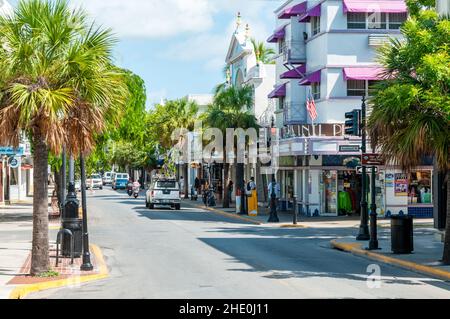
(373, 243)
(363, 227)
(273, 218)
(86, 266)
(63, 181)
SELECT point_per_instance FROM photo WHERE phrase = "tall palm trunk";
(446, 255)
(39, 253)
(226, 197)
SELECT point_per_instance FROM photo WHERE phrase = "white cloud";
(151, 18)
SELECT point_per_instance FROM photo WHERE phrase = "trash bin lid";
(401, 217)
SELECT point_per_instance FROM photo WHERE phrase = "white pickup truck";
(163, 192)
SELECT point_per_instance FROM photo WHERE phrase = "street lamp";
(363, 227)
(273, 218)
(86, 266)
(373, 243)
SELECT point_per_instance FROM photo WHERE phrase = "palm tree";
(57, 85)
(263, 53)
(411, 107)
(231, 108)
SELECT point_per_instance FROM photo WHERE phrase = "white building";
(327, 51)
(244, 69)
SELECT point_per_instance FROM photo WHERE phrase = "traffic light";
(353, 123)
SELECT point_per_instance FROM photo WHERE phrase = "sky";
(178, 46)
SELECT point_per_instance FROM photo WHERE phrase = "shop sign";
(372, 159)
(349, 148)
(8, 150)
(401, 184)
(368, 169)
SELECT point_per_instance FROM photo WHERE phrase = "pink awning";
(280, 91)
(313, 12)
(293, 11)
(313, 77)
(363, 73)
(279, 33)
(388, 6)
(296, 73)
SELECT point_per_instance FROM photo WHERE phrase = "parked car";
(78, 186)
(94, 181)
(120, 181)
(107, 178)
(163, 192)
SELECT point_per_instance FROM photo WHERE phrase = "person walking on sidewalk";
(230, 190)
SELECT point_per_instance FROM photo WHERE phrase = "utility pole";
(363, 227)
(86, 266)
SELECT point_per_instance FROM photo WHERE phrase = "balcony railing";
(294, 113)
(294, 51)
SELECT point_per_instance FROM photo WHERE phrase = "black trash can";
(402, 234)
(75, 225)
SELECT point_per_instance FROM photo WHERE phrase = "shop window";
(315, 25)
(419, 187)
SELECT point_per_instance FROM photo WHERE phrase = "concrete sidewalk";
(425, 258)
(15, 243)
(286, 218)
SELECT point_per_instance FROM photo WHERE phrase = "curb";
(356, 249)
(217, 211)
(24, 290)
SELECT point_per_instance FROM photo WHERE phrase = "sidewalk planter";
(402, 234)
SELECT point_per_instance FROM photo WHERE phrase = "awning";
(293, 11)
(313, 77)
(277, 34)
(388, 6)
(280, 91)
(295, 73)
(363, 73)
(313, 12)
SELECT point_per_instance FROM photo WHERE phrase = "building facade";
(327, 53)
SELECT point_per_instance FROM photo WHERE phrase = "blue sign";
(8, 150)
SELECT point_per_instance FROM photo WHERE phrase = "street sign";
(372, 159)
(349, 148)
(13, 162)
(8, 150)
(368, 169)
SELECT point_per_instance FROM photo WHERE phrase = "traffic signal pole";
(363, 227)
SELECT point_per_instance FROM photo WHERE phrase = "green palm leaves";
(57, 78)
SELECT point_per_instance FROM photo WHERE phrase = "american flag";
(311, 107)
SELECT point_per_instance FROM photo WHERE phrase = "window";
(281, 44)
(396, 20)
(375, 20)
(281, 102)
(356, 88)
(315, 25)
(419, 188)
(360, 87)
(356, 21)
(315, 91)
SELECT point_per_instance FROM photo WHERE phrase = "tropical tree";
(263, 53)
(410, 115)
(57, 84)
(231, 108)
(168, 117)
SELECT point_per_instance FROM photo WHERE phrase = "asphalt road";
(193, 253)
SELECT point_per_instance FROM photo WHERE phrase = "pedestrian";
(230, 190)
(197, 184)
(181, 185)
(274, 189)
(219, 190)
